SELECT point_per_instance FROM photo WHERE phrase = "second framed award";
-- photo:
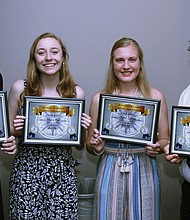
(127, 119)
(53, 121)
(180, 130)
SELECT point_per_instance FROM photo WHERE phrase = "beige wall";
(89, 29)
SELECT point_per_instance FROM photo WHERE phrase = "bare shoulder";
(94, 104)
(17, 86)
(96, 97)
(156, 94)
(80, 92)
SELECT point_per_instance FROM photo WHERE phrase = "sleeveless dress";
(43, 183)
(126, 192)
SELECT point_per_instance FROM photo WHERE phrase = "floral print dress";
(43, 183)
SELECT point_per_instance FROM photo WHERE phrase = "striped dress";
(130, 195)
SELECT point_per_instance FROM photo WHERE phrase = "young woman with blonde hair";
(43, 179)
(131, 191)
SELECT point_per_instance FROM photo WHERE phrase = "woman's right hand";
(18, 122)
(9, 146)
(172, 158)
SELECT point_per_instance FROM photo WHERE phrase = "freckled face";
(49, 56)
(126, 63)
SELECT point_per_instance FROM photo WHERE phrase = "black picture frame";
(53, 121)
(4, 117)
(128, 119)
(180, 130)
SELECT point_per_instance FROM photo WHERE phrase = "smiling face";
(48, 56)
(126, 63)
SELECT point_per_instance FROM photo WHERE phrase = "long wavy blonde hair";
(112, 82)
(66, 85)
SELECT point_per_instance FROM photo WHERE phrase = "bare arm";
(86, 119)
(16, 121)
(163, 127)
(94, 142)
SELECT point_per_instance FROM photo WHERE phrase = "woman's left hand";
(86, 120)
(9, 146)
(153, 149)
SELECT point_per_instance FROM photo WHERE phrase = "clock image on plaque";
(53, 121)
(128, 119)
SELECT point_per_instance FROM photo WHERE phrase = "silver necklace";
(125, 157)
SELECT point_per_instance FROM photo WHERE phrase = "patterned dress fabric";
(43, 183)
(131, 195)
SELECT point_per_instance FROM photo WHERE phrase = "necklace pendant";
(125, 158)
(127, 168)
(119, 161)
(122, 169)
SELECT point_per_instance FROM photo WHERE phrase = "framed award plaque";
(180, 130)
(128, 119)
(53, 121)
(4, 117)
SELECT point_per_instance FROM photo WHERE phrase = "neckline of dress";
(136, 94)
